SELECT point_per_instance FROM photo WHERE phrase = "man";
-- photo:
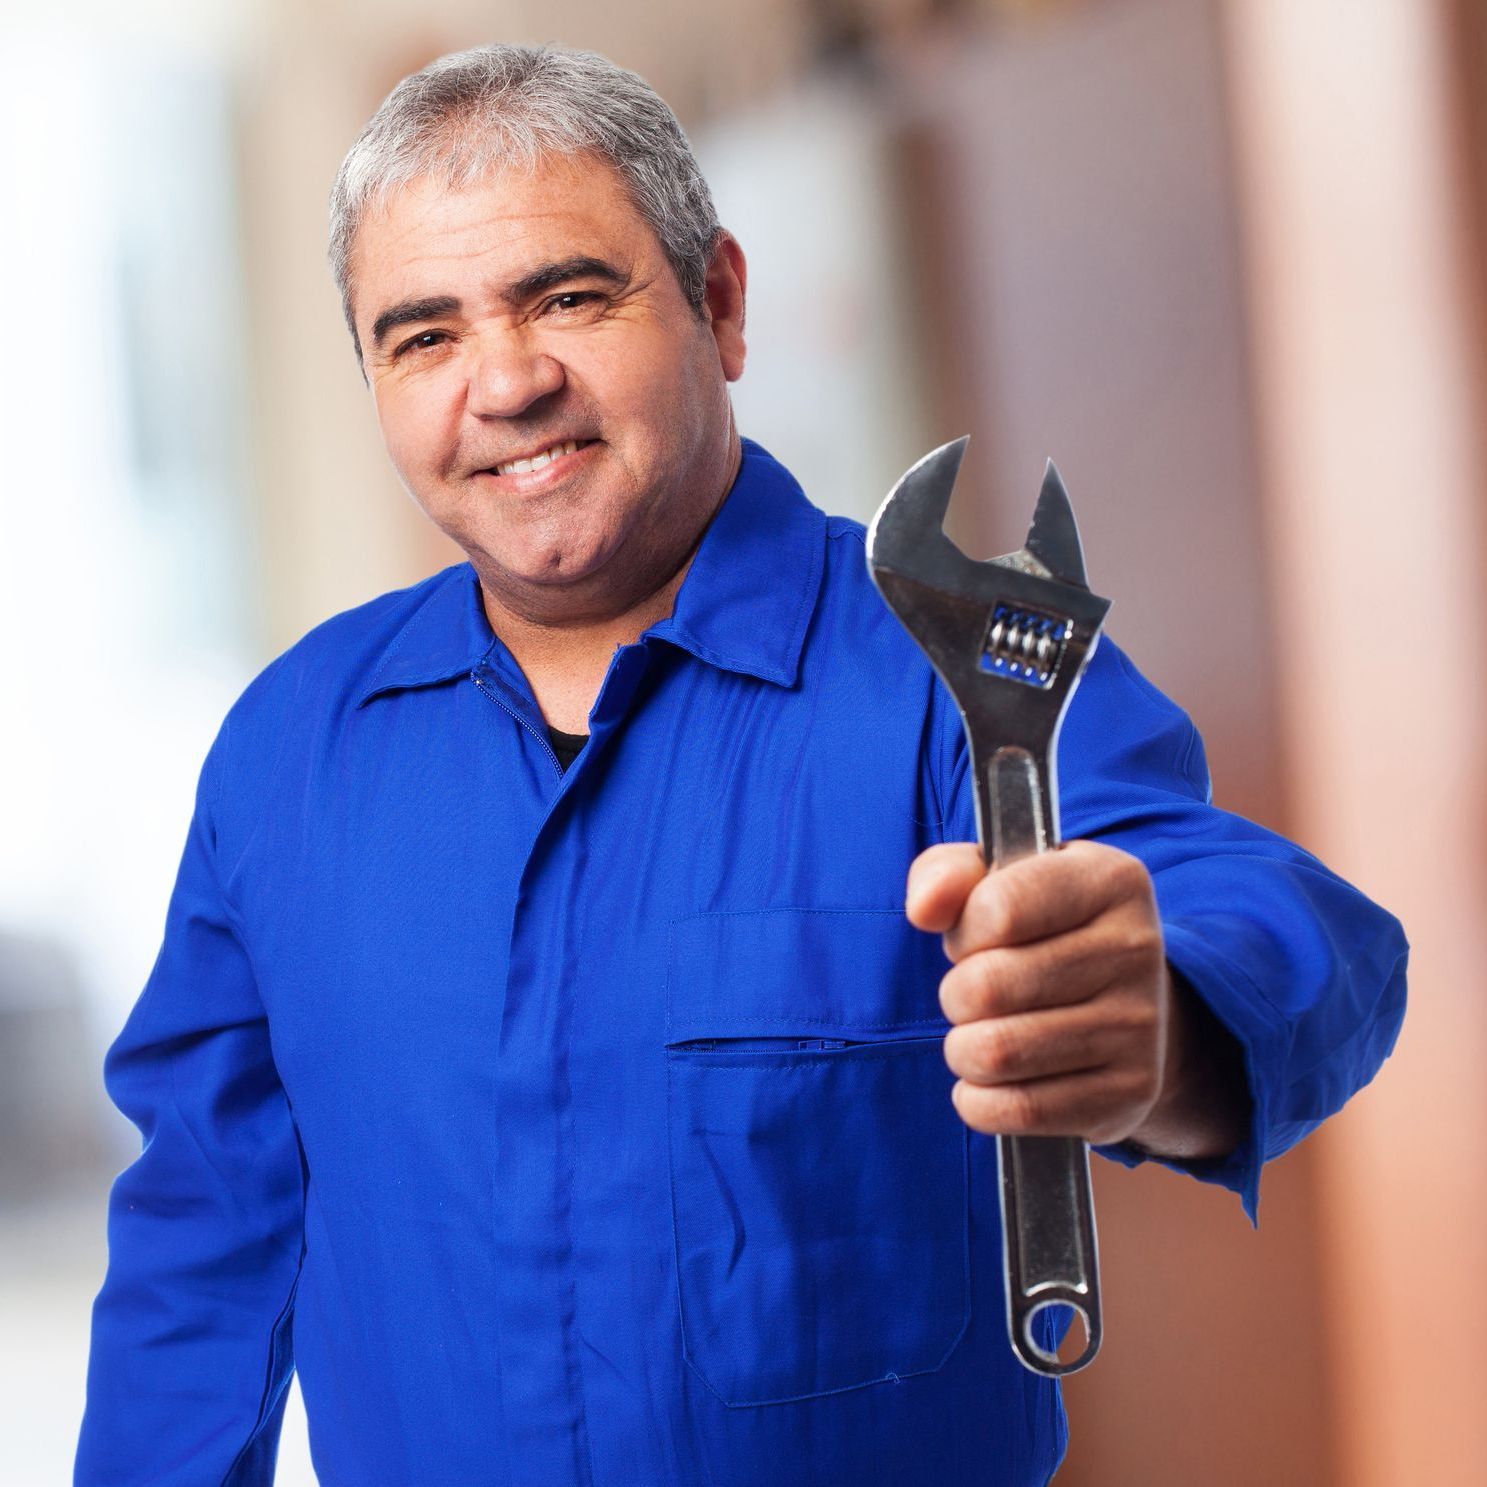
(540, 1057)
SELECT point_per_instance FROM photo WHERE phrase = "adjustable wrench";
(1009, 637)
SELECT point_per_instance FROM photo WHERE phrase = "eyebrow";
(410, 312)
(547, 276)
(550, 275)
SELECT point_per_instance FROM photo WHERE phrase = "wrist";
(1203, 1109)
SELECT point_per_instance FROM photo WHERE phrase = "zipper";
(536, 733)
(758, 1045)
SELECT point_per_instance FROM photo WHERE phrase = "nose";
(509, 374)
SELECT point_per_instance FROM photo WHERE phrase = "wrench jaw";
(911, 520)
(1053, 538)
(1009, 637)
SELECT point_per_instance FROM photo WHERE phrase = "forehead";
(503, 224)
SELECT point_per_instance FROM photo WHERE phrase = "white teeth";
(537, 461)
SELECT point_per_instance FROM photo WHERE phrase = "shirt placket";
(543, 1397)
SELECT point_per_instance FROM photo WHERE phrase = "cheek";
(413, 427)
(649, 378)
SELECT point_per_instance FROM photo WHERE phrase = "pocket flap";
(809, 973)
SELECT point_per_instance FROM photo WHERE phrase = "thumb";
(940, 880)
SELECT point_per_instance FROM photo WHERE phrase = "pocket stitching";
(964, 1208)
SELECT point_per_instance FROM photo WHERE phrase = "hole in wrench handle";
(1050, 1249)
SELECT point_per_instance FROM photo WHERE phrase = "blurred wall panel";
(120, 514)
(1370, 371)
(834, 385)
(336, 527)
(1078, 181)
(1092, 283)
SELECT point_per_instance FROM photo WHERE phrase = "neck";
(565, 657)
(546, 643)
(565, 665)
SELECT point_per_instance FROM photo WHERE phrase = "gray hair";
(503, 106)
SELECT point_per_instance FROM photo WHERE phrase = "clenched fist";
(1068, 1020)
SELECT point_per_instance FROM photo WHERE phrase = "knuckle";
(1137, 1018)
(969, 989)
(1024, 891)
(954, 1000)
(983, 1052)
(990, 975)
(1022, 1109)
(999, 906)
(1096, 862)
(958, 942)
(992, 1053)
(989, 1053)
(1126, 872)
(990, 1111)
(955, 1052)
(1137, 944)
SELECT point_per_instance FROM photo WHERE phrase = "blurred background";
(1223, 259)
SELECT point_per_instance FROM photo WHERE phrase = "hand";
(1068, 1021)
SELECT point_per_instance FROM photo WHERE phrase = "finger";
(940, 877)
(1035, 1045)
(1099, 1105)
(1046, 894)
(1026, 977)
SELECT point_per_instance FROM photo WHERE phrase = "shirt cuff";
(1240, 1007)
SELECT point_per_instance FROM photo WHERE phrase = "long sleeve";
(191, 1344)
(1304, 971)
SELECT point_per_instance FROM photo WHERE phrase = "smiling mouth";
(542, 458)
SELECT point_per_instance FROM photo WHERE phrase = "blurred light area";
(122, 611)
(126, 38)
(832, 385)
(125, 580)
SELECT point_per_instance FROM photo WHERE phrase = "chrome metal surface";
(1010, 638)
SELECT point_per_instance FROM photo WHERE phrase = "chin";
(540, 570)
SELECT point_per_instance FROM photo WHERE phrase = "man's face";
(534, 317)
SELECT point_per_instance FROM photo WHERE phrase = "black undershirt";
(567, 746)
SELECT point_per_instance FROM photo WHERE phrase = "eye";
(571, 299)
(423, 341)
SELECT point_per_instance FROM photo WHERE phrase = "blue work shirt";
(594, 1128)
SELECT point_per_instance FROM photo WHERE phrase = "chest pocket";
(819, 1173)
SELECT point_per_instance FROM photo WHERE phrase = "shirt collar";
(751, 590)
(446, 636)
(744, 605)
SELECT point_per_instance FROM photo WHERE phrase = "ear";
(723, 300)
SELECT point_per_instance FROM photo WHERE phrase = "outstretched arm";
(1068, 1019)
(1182, 984)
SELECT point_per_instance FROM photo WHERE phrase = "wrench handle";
(1048, 1234)
(1048, 1213)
